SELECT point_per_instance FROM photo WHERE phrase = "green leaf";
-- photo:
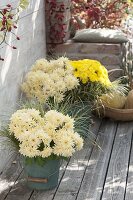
(24, 4)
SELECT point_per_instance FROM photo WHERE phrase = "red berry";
(8, 5)
(2, 59)
(15, 26)
(3, 28)
(18, 38)
(14, 47)
(4, 11)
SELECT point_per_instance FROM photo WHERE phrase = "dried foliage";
(98, 13)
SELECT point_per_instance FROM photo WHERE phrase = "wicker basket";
(117, 114)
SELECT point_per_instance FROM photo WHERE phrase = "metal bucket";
(42, 177)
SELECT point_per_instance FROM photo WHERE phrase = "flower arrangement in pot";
(57, 80)
(96, 86)
(93, 79)
(42, 143)
(52, 83)
(80, 80)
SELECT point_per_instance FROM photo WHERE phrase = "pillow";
(100, 36)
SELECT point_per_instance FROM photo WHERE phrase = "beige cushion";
(100, 36)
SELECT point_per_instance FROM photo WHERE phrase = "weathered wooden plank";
(115, 183)
(105, 59)
(93, 181)
(129, 188)
(73, 174)
(88, 48)
(8, 179)
(20, 191)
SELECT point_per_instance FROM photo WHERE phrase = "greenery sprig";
(9, 17)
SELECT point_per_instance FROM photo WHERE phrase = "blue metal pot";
(42, 177)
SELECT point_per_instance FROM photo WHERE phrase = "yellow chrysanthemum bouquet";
(93, 78)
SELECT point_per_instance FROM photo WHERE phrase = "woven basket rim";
(124, 110)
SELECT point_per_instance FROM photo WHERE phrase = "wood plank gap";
(61, 179)
(12, 186)
(108, 162)
(9, 163)
(87, 163)
(128, 172)
(31, 195)
(92, 183)
(114, 187)
(20, 190)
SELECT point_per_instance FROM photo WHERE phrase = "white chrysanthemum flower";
(41, 64)
(46, 152)
(50, 79)
(65, 151)
(78, 141)
(63, 59)
(71, 82)
(25, 120)
(53, 134)
(59, 97)
(28, 150)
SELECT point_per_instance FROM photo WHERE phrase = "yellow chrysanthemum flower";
(90, 70)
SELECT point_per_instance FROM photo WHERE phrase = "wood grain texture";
(115, 183)
(106, 59)
(92, 184)
(129, 188)
(92, 174)
(19, 191)
(8, 178)
(88, 48)
(72, 176)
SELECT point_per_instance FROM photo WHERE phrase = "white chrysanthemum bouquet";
(50, 79)
(50, 136)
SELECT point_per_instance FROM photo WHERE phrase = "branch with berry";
(9, 17)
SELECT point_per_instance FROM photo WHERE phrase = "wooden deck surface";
(91, 174)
